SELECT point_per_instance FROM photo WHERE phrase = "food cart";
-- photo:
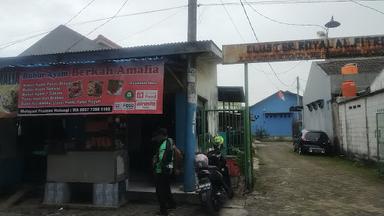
(87, 162)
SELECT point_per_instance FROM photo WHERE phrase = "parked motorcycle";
(211, 186)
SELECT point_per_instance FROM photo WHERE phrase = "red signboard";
(92, 89)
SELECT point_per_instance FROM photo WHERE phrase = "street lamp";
(331, 24)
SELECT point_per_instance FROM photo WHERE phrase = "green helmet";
(218, 140)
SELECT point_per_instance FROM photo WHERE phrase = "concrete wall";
(206, 85)
(358, 126)
(354, 128)
(318, 87)
(375, 104)
(87, 166)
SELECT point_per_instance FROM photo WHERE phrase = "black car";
(312, 142)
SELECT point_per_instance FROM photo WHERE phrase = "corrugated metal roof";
(138, 52)
(365, 65)
(369, 68)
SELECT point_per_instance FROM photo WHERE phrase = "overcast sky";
(24, 18)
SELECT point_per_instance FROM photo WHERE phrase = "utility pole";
(298, 91)
(192, 20)
(190, 133)
(247, 132)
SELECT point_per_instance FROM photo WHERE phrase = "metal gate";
(229, 123)
(380, 141)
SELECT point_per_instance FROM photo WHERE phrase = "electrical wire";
(290, 69)
(249, 21)
(78, 13)
(286, 2)
(11, 43)
(265, 73)
(277, 77)
(3, 46)
(232, 21)
(257, 39)
(150, 27)
(366, 6)
(99, 26)
(132, 14)
(285, 23)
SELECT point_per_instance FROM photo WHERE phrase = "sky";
(222, 21)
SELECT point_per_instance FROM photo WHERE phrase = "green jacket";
(164, 157)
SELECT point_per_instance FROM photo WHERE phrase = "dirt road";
(286, 184)
(290, 184)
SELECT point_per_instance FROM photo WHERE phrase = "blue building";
(273, 116)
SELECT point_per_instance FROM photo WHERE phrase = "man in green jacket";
(163, 166)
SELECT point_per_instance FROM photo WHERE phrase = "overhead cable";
(11, 43)
(286, 2)
(232, 21)
(3, 46)
(366, 6)
(249, 21)
(132, 14)
(78, 13)
(98, 27)
(284, 23)
(149, 27)
(257, 39)
(291, 69)
(265, 73)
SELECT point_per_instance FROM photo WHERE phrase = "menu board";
(135, 88)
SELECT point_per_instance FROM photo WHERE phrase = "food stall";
(88, 162)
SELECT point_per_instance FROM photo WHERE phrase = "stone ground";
(286, 184)
(290, 184)
(32, 207)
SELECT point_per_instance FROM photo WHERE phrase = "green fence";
(229, 123)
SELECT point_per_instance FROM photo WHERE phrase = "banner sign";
(8, 101)
(345, 47)
(92, 89)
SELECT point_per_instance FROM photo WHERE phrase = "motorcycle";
(212, 189)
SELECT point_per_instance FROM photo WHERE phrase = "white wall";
(375, 104)
(378, 83)
(358, 126)
(355, 128)
(206, 85)
(318, 87)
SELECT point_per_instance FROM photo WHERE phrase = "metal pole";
(190, 134)
(248, 157)
(297, 100)
(298, 91)
(204, 117)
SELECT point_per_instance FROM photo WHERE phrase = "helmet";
(201, 161)
(218, 140)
